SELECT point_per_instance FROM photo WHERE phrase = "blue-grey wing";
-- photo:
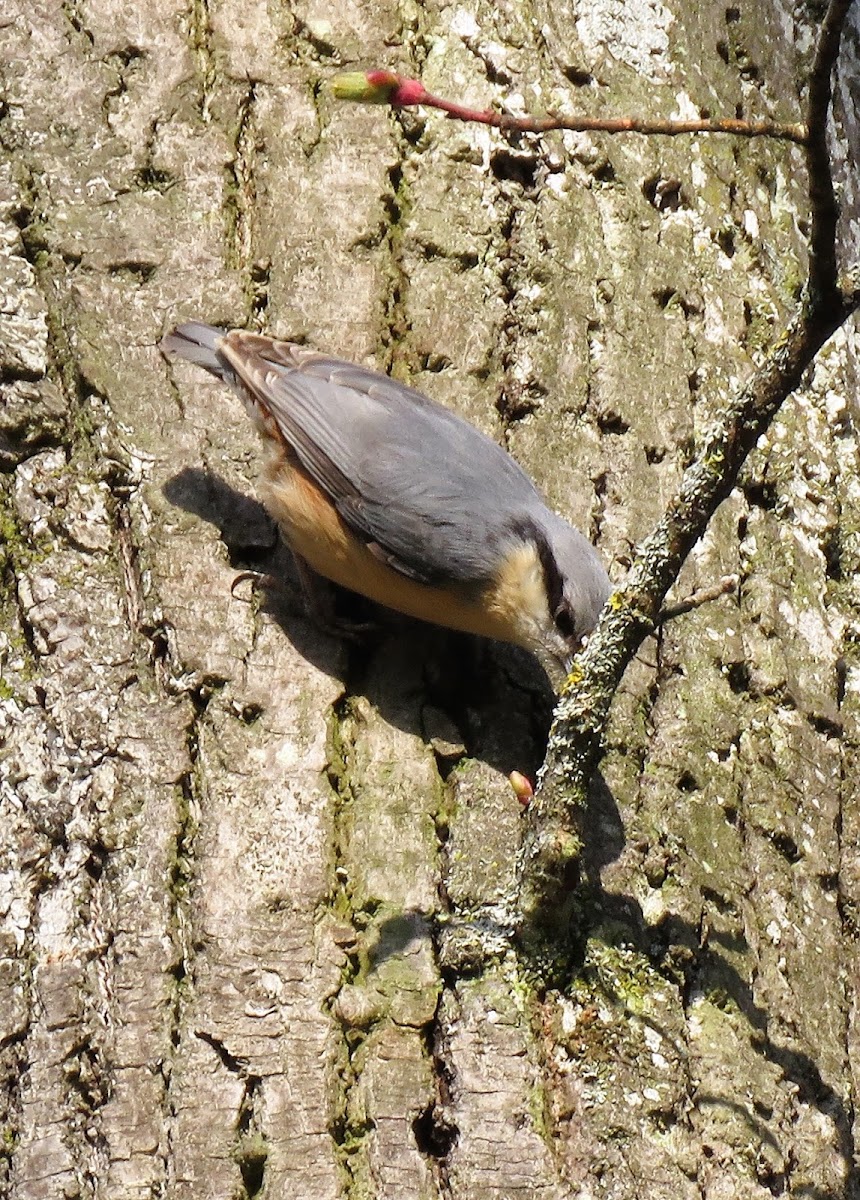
(430, 494)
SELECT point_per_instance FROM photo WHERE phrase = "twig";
(384, 87)
(696, 599)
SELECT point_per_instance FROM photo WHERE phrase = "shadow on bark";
(477, 684)
(678, 951)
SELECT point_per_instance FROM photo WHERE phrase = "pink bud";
(366, 87)
(378, 87)
(522, 786)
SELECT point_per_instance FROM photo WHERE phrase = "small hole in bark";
(514, 167)
(761, 494)
(738, 676)
(153, 179)
(663, 194)
(432, 1136)
(604, 172)
(578, 76)
(787, 846)
(826, 726)
(610, 421)
(726, 242)
(252, 1165)
(831, 551)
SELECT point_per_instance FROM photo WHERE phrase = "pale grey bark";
(236, 855)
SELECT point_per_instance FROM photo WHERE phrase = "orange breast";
(315, 531)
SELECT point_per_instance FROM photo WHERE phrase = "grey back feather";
(439, 498)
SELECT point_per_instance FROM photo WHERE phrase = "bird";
(388, 493)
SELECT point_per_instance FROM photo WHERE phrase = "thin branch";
(704, 595)
(823, 212)
(549, 859)
(384, 87)
(549, 863)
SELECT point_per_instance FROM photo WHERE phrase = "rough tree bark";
(238, 858)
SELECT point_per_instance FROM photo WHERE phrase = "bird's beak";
(556, 657)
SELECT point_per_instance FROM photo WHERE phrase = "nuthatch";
(392, 495)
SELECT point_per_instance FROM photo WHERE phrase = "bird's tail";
(198, 343)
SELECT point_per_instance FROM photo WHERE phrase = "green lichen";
(624, 976)
(18, 550)
(761, 319)
(537, 1108)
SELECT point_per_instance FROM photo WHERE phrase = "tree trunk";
(238, 856)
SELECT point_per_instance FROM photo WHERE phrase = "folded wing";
(406, 474)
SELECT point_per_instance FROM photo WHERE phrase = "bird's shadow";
(463, 694)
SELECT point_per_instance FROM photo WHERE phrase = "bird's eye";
(564, 622)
